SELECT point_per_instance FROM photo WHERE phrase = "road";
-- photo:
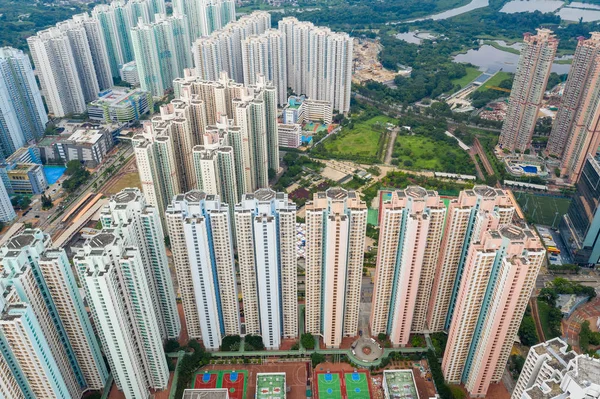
(536, 318)
(390, 146)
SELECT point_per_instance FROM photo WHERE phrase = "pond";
(490, 58)
(473, 5)
(53, 173)
(574, 14)
(415, 37)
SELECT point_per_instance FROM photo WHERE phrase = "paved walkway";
(367, 349)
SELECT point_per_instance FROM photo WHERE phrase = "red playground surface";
(234, 381)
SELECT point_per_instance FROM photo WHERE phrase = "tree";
(527, 332)
(381, 337)
(46, 202)
(308, 341)
(317, 358)
(171, 346)
(253, 342)
(229, 341)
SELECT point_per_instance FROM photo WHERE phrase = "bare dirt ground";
(366, 57)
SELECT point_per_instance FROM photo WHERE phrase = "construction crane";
(499, 88)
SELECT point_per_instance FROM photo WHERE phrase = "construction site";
(367, 66)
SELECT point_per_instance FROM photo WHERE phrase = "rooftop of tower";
(485, 191)
(195, 196)
(20, 241)
(555, 348)
(213, 393)
(125, 196)
(416, 192)
(586, 370)
(512, 232)
(102, 240)
(336, 193)
(263, 194)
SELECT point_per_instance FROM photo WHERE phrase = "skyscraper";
(498, 277)
(161, 51)
(7, 212)
(336, 222)
(319, 62)
(222, 50)
(575, 133)
(120, 299)
(44, 281)
(531, 77)
(57, 70)
(22, 114)
(411, 227)
(265, 55)
(199, 226)
(474, 212)
(215, 164)
(204, 17)
(580, 226)
(266, 243)
(140, 225)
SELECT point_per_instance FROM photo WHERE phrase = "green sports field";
(357, 385)
(540, 209)
(337, 385)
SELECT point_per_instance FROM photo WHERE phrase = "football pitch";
(542, 209)
(343, 385)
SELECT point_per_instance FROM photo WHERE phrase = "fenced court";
(343, 385)
(542, 209)
(234, 381)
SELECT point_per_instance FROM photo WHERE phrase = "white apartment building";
(265, 55)
(411, 227)
(7, 212)
(544, 361)
(289, 136)
(336, 222)
(266, 243)
(199, 226)
(120, 300)
(139, 224)
(57, 71)
(319, 62)
(205, 16)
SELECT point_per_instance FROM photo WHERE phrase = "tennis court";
(234, 381)
(343, 385)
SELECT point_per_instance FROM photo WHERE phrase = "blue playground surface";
(53, 173)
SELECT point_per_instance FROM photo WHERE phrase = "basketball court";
(343, 385)
(234, 381)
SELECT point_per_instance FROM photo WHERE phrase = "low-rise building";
(300, 109)
(399, 384)
(290, 136)
(120, 105)
(129, 73)
(23, 178)
(211, 393)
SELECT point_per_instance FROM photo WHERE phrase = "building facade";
(475, 211)
(531, 77)
(7, 212)
(497, 281)
(266, 243)
(120, 106)
(411, 227)
(22, 114)
(335, 239)
(199, 227)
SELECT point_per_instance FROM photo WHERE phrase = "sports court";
(399, 384)
(343, 385)
(234, 381)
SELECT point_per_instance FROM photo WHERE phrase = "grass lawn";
(424, 153)
(544, 311)
(472, 73)
(495, 80)
(127, 180)
(541, 209)
(502, 48)
(361, 142)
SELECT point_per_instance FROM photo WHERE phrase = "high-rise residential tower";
(411, 227)
(319, 62)
(531, 77)
(199, 226)
(116, 25)
(475, 211)
(336, 222)
(57, 70)
(575, 133)
(43, 279)
(120, 300)
(266, 234)
(22, 114)
(205, 16)
(161, 51)
(265, 55)
(7, 212)
(498, 277)
(140, 226)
